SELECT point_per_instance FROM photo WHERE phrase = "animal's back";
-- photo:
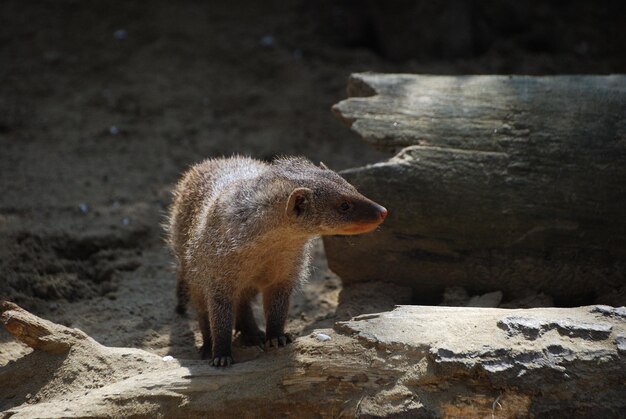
(198, 188)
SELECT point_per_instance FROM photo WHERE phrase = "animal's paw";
(222, 361)
(254, 338)
(277, 341)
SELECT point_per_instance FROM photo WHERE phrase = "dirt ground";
(103, 104)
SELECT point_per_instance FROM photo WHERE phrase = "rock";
(491, 299)
(322, 337)
(610, 311)
(532, 328)
(412, 361)
(528, 356)
(620, 341)
(490, 189)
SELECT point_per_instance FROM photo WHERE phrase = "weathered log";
(508, 183)
(413, 361)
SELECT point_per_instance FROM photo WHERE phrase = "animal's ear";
(323, 166)
(298, 201)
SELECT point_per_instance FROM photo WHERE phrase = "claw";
(224, 361)
(277, 342)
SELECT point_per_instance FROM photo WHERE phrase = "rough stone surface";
(494, 188)
(610, 311)
(543, 366)
(532, 328)
(412, 361)
(620, 341)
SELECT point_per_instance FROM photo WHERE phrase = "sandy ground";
(104, 104)
(102, 108)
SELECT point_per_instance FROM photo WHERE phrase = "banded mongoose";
(238, 226)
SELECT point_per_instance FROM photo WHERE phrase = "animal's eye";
(345, 206)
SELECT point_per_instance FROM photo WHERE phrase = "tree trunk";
(508, 183)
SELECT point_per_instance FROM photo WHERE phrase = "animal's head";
(327, 204)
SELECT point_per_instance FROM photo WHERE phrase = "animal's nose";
(382, 213)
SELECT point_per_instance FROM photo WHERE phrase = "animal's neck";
(285, 238)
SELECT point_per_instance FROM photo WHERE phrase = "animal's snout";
(382, 213)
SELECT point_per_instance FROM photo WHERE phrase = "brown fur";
(238, 226)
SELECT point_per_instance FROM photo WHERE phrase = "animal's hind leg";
(245, 323)
(182, 291)
(221, 305)
(205, 329)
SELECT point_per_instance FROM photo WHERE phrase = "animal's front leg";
(221, 318)
(276, 307)
(245, 322)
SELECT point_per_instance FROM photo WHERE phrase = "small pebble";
(120, 34)
(168, 358)
(84, 208)
(114, 130)
(125, 221)
(267, 41)
(322, 337)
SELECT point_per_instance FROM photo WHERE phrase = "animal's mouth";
(360, 228)
(367, 226)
